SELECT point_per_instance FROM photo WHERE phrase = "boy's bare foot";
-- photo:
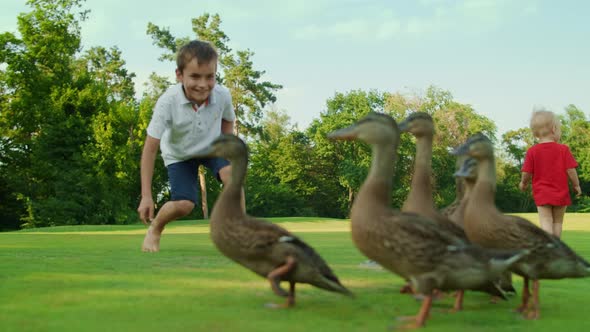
(151, 242)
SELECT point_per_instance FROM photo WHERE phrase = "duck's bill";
(403, 126)
(460, 150)
(463, 172)
(346, 134)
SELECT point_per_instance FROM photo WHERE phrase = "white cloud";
(379, 22)
(356, 28)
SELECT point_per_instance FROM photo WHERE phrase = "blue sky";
(502, 57)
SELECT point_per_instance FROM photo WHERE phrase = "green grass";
(95, 278)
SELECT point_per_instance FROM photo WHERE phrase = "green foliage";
(454, 123)
(349, 161)
(68, 123)
(516, 143)
(576, 134)
(280, 175)
(38, 119)
(72, 132)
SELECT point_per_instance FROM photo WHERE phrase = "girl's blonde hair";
(543, 123)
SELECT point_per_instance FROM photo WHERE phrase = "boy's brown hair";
(203, 51)
(543, 123)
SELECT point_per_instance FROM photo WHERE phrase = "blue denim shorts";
(184, 177)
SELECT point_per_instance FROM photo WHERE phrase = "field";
(95, 278)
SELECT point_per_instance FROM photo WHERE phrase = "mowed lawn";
(95, 278)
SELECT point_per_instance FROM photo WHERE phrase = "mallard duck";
(454, 210)
(420, 199)
(467, 173)
(262, 247)
(409, 245)
(550, 258)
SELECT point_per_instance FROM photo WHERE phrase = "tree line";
(72, 131)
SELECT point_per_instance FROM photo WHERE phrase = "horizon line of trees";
(72, 131)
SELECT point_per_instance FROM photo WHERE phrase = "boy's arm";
(573, 176)
(524, 180)
(227, 127)
(148, 158)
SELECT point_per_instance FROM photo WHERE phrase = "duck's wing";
(451, 227)
(528, 235)
(538, 239)
(549, 248)
(311, 256)
(448, 210)
(258, 234)
(419, 228)
(271, 235)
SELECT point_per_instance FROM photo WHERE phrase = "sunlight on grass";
(95, 278)
(297, 224)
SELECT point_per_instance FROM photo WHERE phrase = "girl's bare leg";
(558, 214)
(546, 218)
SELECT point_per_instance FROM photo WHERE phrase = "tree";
(516, 143)
(36, 108)
(576, 134)
(346, 161)
(67, 122)
(454, 123)
(112, 152)
(281, 179)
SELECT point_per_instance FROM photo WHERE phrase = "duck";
(409, 245)
(484, 224)
(454, 211)
(467, 175)
(264, 248)
(420, 198)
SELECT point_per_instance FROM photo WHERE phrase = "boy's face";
(198, 80)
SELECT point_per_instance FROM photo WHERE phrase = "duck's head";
(468, 170)
(418, 124)
(374, 128)
(477, 146)
(225, 146)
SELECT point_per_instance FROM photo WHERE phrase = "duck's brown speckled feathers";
(550, 257)
(265, 248)
(409, 244)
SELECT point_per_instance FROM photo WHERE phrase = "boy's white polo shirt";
(185, 131)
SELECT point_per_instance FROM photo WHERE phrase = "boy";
(186, 118)
(549, 164)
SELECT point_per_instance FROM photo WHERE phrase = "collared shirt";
(184, 129)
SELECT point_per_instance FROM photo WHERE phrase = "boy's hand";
(522, 186)
(146, 210)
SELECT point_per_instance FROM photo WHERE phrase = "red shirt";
(549, 162)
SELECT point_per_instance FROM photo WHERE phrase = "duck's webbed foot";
(458, 306)
(406, 289)
(525, 297)
(533, 310)
(419, 320)
(290, 298)
(274, 277)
